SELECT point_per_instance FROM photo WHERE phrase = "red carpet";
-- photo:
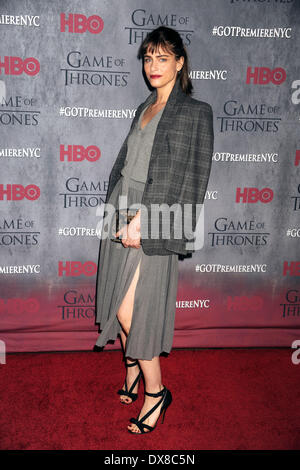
(222, 399)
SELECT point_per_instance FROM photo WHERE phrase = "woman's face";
(161, 67)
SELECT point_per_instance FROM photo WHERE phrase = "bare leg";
(124, 313)
(131, 373)
(124, 316)
(151, 369)
(153, 384)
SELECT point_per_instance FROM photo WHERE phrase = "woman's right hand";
(131, 233)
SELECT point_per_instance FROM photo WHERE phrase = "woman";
(165, 159)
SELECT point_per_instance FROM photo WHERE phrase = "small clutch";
(122, 217)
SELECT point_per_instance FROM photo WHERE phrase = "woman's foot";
(131, 375)
(148, 404)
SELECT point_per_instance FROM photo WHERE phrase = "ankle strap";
(132, 364)
(159, 394)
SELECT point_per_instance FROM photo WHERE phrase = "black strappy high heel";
(129, 393)
(166, 400)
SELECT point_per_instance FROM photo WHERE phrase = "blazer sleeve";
(196, 177)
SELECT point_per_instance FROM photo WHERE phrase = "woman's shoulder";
(195, 106)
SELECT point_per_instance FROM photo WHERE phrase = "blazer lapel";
(165, 123)
(167, 118)
(168, 112)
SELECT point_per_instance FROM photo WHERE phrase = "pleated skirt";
(153, 316)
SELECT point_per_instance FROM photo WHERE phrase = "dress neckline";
(142, 113)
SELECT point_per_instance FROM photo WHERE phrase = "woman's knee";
(124, 320)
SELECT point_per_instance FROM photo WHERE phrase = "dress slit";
(134, 295)
(136, 291)
(126, 287)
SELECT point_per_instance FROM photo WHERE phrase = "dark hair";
(169, 40)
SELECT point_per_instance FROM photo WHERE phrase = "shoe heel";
(163, 416)
(168, 401)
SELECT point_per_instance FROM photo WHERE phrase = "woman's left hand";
(131, 233)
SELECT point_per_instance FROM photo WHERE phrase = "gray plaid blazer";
(179, 166)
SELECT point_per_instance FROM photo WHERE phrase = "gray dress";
(153, 316)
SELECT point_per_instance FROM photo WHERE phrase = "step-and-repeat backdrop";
(70, 83)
